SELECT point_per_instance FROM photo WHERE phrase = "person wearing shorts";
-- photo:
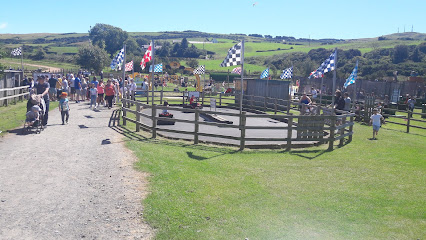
(376, 120)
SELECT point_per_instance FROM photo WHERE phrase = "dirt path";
(82, 185)
(51, 69)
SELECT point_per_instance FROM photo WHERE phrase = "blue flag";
(264, 74)
(157, 68)
(352, 78)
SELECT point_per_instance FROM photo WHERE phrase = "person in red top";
(100, 89)
(109, 93)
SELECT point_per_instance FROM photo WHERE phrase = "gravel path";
(82, 185)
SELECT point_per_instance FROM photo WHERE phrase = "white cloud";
(3, 25)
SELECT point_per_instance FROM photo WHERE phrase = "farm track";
(72, 181)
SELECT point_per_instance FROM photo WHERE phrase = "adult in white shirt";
(314, 93)
(132, 89)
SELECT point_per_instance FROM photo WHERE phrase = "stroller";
(36, 108)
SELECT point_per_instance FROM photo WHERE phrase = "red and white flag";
(129, 66)
(147, 57)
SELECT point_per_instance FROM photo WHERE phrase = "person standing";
(314, 93)
(71, 86)
(109, 93)
(95, 82)
(52, 90)
(84, 95)
(132, 89)
(77, 86)
(93, 91)
(100, 89)
(347, 102)
(42, 87)
(64, 108)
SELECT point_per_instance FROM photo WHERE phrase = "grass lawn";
(13, 115)
(364, 190)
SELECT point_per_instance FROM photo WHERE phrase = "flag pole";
(334, 77)
(124, 70)
(354, 96)
(152, 73)
(22, 60)
(242, 77)
(322, 83)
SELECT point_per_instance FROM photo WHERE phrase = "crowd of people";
(78, 88)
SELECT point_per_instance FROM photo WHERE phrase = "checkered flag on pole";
(128, 66)
(327, 66)
(264, 74)
(234, 56)
(118, 60)
(157, 68)
(200, 70)
(17, 51)
(352, 78)
(287, 73)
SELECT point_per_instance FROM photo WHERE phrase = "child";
(165, 112)
(33, 116)
(93, 95)
(376, 120)
(64, 107)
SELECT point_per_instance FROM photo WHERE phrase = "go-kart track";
(228, 131)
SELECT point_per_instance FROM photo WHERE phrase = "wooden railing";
(312, 128)
(12, 94)
(409, 118)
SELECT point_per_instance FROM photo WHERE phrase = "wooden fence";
(311, 128)
(409, 118)
(8, 95)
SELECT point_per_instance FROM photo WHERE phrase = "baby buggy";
(35, 114)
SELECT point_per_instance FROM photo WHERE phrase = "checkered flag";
(237, 70)
(327, 66)
(129, 66)
(234, 56)
(287, 73)
(264, 74)
(200, 70)
(17, 51)
(352, 78)
(118, 60)
(157, 68)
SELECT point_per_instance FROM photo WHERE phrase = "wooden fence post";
(342, 131)
(408, 121)
(161, 97)
(288, 105)
(264, 104)
(154, 122)
(138, 117)
(289, 133)
(123, 108)
(351, 129)
(332, 129)
(196, 126)
(243, 130)
(275, 106)
(220, 99)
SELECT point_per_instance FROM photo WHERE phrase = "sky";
(316, 19)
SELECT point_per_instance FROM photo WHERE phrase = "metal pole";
(22, 60)
(152, 73)
(322, 83)
(124, 70)
(242, 77)
(334, 76)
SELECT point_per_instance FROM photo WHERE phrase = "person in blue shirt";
(77, 86)
(95, 82)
